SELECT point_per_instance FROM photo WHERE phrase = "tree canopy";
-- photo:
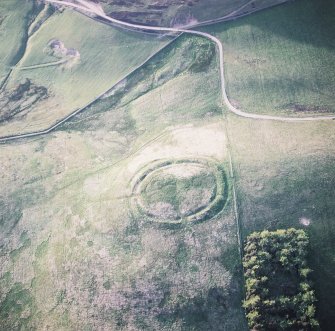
(279, 294)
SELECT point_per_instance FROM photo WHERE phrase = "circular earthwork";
(176, 191)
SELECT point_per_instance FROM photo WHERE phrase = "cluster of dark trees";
(279, 295)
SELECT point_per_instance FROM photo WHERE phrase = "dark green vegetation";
(18, 302)
(20, 99)
(281, 60)
(177, 12)
(279, 295)
(203, 53)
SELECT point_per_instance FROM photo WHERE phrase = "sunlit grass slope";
(105, 55)
(15, 17)
(281, 60)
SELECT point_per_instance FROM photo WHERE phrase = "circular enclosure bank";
(176, 191)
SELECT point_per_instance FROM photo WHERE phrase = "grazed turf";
(105, 55)
(79, 258)
(281, 60)
(90, 264)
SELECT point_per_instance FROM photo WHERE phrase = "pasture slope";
(91, 59)
(281, 61)
(74, 248)
(97, 11)
(77, 255)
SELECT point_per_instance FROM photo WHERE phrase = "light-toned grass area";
(73, 251)
(106, 55)
(281, 60)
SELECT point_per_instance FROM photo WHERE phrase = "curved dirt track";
(96, 10)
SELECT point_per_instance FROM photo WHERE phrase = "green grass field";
(78, 255)
(105, 55)
(75, 252)
(281, 60)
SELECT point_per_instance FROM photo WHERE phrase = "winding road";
(96, 10)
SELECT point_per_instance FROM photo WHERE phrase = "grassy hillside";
(76, 59)
(96, 218)
(15, 18)
(281, 60)
(76, 251)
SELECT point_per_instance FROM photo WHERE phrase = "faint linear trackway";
(43, 65)
(98, 11)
